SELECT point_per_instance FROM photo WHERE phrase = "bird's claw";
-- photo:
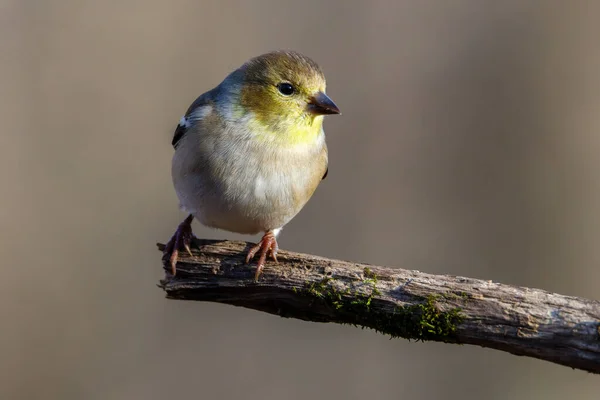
(267, 245)
(181, 239)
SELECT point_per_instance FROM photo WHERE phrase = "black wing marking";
(179, 132)
(326, 172)
(184, 124)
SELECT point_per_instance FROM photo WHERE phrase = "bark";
(397, 302)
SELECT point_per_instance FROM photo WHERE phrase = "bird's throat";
(306, 130)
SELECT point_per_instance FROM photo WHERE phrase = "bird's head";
(283, 93)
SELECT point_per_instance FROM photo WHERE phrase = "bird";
(250, 153)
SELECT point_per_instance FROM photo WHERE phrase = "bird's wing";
(184, 123)
(178, 134)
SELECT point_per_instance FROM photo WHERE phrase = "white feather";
(184, 122)
(199, 113)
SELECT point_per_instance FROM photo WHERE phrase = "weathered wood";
(402, 303)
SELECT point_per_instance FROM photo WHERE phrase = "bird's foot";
(181, 239)
(267, 245)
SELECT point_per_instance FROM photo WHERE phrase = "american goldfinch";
(250, 153)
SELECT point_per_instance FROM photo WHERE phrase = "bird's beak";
(321, 104)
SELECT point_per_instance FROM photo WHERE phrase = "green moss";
(456, 295)
(422, 321)
(368, 273)
(323, 290)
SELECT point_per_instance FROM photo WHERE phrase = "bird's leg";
(181, 239)
(267, 245)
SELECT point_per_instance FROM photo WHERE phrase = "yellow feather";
(304, 131)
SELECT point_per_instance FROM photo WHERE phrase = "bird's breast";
(248, 187)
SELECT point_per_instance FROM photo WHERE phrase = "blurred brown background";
(469, 145)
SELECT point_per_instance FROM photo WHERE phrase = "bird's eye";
(286, 89)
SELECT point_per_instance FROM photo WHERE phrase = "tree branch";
(401, 303)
